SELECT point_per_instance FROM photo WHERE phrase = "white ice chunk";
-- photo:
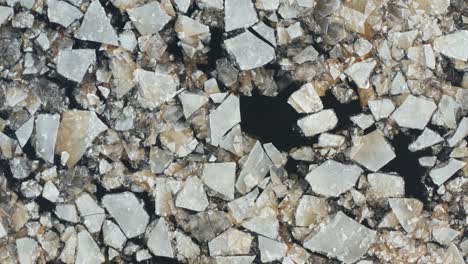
(415, 112)
(239, 14)
(317, 123)
(441, 174)
(249, 51)
(453, 45)
(343, 238)
(332, 178)
(128, 212)
(372, 151)
(96, 26)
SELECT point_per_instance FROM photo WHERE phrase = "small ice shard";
(186, 247)
(96, 26)
(159, 159)
(427, 138)
(220, 177)
(142, 255)
(76, 133)
(128, 212)
(189, 29)
(23, 20)
(192, 196)
(62, 13)
(460, 133)
(267, 4)
(264, 223)
(341, 237)
(240, 207)
(383, 185)
(432, 7)
(192, 33)
(403, 40)
(122, 4)
(164, 204)
(308, 54)
(372, 151)
(277, 157)
(30, 189)
(447, 112)
(239, 14)
(453, 45)
(73, 64)
(233, 141)
(399, 85)
(415, 112)
(332, 178)
(3, 230)
(183, 5)
(87, 251)
(127, 40)
(453, 256)
(311, 210)
(122, 67)
(254, 170)
(359, 72)
(206, 226)
(223, 118)
(303, 153)
(91, 212)
(23, 133)
(317, 123)
(330, 140)
(381, 108)
(211, 4)
(179, 140)
(6, 13)
(67, 212)
(427, 162)
(159, 242)
(362, 47)
(249, 51)
(362, 120)
(28, 250)
(46, 135)
(306, 100)
(407, 210)
(191, 102)
(112, 235)
(231, 242)
(444, 235)
(429, 57)
(20, 167)
(155, 88)
(443, 173)
(50, 192)
(68, 253)
(234, 260)
(271, 250)
(294, 31)
(149, 18)
(266, 32)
